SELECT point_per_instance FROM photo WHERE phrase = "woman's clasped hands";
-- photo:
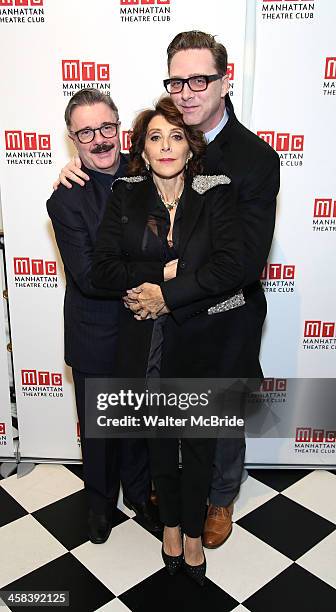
(146, 301)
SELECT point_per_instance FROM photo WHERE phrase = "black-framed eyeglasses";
(108, 130)
(199, 82)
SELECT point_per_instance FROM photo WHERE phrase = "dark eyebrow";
(179, 78)
(160, 130)
(88, 127)
(154, 130)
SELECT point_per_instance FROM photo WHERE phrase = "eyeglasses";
(195, 83)
(108, 130)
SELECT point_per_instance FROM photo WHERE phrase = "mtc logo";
(319, 329)
(21, 3)
(44, 379)
(307, 434)
(35, 267)
(273, 384)
(16, 140)
(2, 428)
(75, 70)
(283, 141)
(126, 140)
(324, 207)
(330, 68)
(136, 2)
(275, 271)
(230, 71)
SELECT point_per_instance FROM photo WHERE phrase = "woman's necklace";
(171, 205)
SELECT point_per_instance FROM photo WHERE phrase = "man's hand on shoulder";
(73, 172)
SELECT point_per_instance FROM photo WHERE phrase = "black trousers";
(227, 470)
(229, 457)
(182, 493)
(108, 462)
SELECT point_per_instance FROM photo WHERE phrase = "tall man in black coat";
(90, 320)
(199, 86)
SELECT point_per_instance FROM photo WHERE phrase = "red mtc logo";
(324, 207)
(125, 140)
(275, 271)
(35, 267)
(330, 68)
(282, 141)
(135, 2)
(230, 71)
(44, 379)
(308, 434)
(75, 70)
(2, 428)
(319, 329)
(21, 3)
(16, 140)
(273, 384)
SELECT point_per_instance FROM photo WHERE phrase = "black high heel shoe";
(173, 564)
(196, 572)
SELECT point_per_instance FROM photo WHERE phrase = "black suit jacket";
(254, 169)
(90, 316)
(210, 267)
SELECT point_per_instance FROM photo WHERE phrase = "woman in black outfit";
(170, 238)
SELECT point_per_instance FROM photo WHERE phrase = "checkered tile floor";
(280, 557)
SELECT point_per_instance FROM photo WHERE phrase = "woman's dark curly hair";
(168, 110)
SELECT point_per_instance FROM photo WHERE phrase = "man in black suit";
(198, 85)
(90, 319)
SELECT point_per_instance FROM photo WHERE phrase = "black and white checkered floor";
(281, 555)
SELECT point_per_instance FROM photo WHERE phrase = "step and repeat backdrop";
(53, 48)
(294, 106)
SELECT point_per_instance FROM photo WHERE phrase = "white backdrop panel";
(293, 43)
(291, 51)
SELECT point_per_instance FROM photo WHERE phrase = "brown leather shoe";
(218, 525)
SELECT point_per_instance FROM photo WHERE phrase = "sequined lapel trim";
(130, 179)
(202, 183)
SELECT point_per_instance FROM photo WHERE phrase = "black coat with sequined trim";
(210, 268)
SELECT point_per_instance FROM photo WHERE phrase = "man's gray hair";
(88, 97)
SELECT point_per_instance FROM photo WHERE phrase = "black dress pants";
(108, 462)
(229, 456)
(227, 470)
(182, 493)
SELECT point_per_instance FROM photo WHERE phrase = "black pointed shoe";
(196, 572)
(100, 527)
(147, 514)
(173, 564)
